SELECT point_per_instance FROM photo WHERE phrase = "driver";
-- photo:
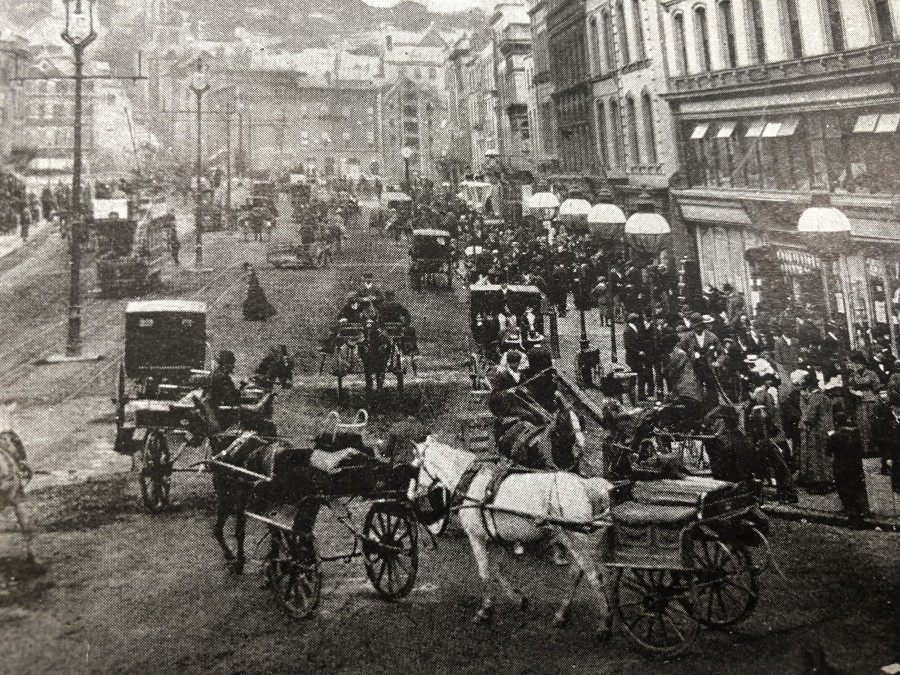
(222, 389)
(392, 311)
(369, 292)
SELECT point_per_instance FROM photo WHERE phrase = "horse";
(294, 475)
(527, 508)
(376, 352)
(14, 474)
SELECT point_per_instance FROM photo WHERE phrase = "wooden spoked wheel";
(293, 574)
(156, 471)
(655, 608)
(391, 549)
(727, 583)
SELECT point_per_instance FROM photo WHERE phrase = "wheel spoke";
(390, 574)
(681, 636)
(381, 571)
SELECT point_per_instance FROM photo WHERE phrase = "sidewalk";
(884, 503)
(13, 241)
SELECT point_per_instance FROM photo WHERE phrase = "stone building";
(414, 117)
(775, 102)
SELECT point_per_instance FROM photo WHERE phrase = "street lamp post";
(406, 154)
(545, 205)
(199, 85)
(79, 33)
(607, 221)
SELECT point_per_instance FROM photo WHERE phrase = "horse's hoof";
(237, 566)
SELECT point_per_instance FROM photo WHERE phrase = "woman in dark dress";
(256, 307)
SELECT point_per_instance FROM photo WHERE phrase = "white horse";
(14, 473)
(528, 507)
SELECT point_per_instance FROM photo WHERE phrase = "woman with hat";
(846, 453)
(816, 424)
(256, 306)
(863, 386)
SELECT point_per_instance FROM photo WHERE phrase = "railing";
(886, 54)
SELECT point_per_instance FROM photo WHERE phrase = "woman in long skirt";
(815, 473)
(847, 461)
(863, 385)
(256, 307)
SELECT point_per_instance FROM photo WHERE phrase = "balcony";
(811, 70)
(514, 38)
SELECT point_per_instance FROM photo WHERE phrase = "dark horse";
(294, 476)
(379, 354)
(534, 438)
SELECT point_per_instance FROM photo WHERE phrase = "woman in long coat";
(863, 384)
(256, 307)
(847, 461)
(815, 473)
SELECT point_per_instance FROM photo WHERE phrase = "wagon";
(291, 255)
(486, 304)
(431, 257)
(164, 361)
(387, 542)
(345, 353)
(681, 555)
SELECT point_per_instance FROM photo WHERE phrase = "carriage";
(387, 542)
(356, 347)
(313, 250)
(431, 256)
(257, 217)
(300, 191)
(165, 360)
(130, 250)
(399, 202)
(680, 550)
(489, 340)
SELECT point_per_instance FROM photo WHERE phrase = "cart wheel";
(156, 472)
(727, 584)
(391, 549)
(656, 608)
(293, 574)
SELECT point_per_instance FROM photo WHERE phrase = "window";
(618, 145)
(835, 25)
(602, 134)
(756, 34)
(726, 28)
(701, 35)
(594, 37)
(884, 29)
(631, 122)
(649, 130)
(622, 30)
(680, 43)
(638, 30)
(793, 37)
(608, 53)
(432, 73)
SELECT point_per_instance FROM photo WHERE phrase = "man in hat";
(705, 352)
(394, 312)
(634, 342)
(369, 292)
(222, 389)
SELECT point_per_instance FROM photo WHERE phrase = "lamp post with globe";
(544, 205)
(199, 85)
(607, 222)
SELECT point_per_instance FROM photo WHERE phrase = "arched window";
(638, 30)
(594, 37)
(618, 144)
(608, 48)
(649, 129)
(602, 134)
(631, 123)
(622, 30)
(726, 30)
(680, 43)
(835, 25)
(756, 33)
(881, 12)
(793, 36)
(701, 36)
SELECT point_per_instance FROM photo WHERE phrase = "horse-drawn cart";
(387, 541)
(431, 256)
(370, 349)
(490, 308)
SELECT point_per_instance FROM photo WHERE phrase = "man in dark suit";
(787, 351)
(705, 352)
(633, 339)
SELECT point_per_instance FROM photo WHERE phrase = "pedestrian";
(633, 339)
(684, 388)
(845, 449)
(814, 472)
(863, 386)
(256, 306)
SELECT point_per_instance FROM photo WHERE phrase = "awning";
(50, 164)
(726, 129)
(887, 123)
(756, 129)
(700, 131)
(865, 124)
(771, 129)
(788, 126)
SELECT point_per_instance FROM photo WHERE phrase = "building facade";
(414, 117)
(773, 105)
(14, 57)
(544, 118)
